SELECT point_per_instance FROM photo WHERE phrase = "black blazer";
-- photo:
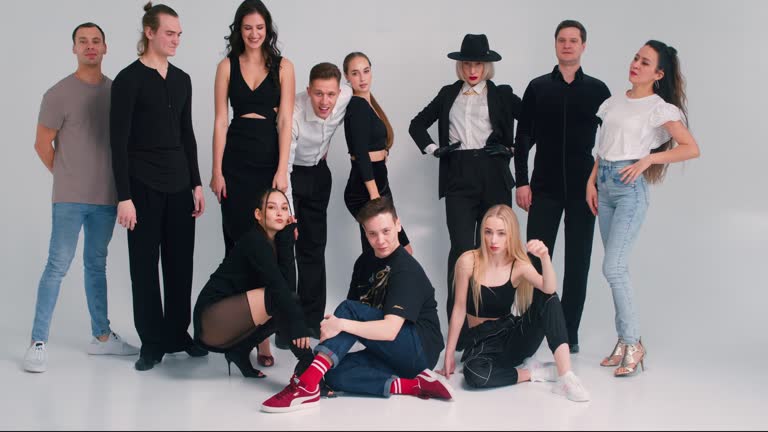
(503, 108)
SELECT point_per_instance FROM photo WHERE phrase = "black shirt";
(151, 132)
(561, 119)
(398, 286)
(365, 132)
(254, 263)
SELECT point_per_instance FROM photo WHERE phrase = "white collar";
(309, 112)
(478, 88)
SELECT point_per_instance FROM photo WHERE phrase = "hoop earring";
(656, 84)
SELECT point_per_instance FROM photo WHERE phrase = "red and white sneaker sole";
(297, 407)
(431, 376)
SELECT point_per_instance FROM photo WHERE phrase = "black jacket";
(560, 119)
(503, 107)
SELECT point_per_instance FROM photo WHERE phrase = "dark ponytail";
(671, 88)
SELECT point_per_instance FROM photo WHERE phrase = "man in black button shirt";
(558, 115)
(391, 310)
(154, 159)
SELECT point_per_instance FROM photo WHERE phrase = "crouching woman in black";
(251, 295)
(491, 282)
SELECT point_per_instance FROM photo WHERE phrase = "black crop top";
(495, 302)
(262, 100)
(365, 132)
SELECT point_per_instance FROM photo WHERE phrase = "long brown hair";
(671, 88)
(151, 19)
(374, 103)
(515, 254)
(235, 44)
(263, 208)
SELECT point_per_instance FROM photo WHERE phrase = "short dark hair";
(376, 207)
(325, 70)
(88, 25)
(572, 23)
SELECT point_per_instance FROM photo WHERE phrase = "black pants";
(356, 196)
(476, 185)
(543, 223)
(498, 346)
(249, 165)
(165, 229)
(311, 194)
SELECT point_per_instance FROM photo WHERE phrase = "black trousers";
(311, 193)
(249, 165)
(476, 185)
(165, 229)
(543, 223)
(356, 196)
(497, 347)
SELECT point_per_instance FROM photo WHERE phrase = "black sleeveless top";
(263, 99)
(495, 302)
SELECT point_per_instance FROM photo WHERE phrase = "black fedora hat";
(475, 48)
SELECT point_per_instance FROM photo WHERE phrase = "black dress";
(365, 132)
(251, 154)
(222, 317)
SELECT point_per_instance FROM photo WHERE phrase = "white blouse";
(469, 120)
(633, 127)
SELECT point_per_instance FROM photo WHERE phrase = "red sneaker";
(432, 385)
(294, 396)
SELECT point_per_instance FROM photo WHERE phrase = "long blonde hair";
(515, 251)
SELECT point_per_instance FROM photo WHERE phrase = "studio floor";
(693, 391)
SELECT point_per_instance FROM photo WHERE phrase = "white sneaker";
(113, 346)
(36, 358)
(540, 371)
(570, 386)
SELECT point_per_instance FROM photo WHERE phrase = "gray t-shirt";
(82, 164)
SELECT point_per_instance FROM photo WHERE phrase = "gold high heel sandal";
(616, 355)
(633, 356)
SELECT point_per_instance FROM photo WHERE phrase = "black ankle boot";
(146, 363)
(242, 359)
(281, 342)
(196, 350)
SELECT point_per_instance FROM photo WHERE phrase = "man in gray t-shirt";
(73, 143)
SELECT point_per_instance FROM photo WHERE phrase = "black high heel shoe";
(242, 360)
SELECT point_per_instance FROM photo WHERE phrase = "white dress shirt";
(469, 120)
(311, 134)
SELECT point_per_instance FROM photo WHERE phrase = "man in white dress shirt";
(317, 114)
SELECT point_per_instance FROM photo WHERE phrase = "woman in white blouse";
(643, 131)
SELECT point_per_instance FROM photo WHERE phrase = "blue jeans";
(621, 211)
(97, 221)
(372, 370)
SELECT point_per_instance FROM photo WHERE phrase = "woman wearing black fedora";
(475, 137)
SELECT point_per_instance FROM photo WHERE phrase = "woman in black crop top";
(251, 294)
(250, 154)
(493, 281)
(369, 137)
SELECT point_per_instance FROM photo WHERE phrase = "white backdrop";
(696, 267)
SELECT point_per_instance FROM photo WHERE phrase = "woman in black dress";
(250, 154)
(369, 138)
(251, 294)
